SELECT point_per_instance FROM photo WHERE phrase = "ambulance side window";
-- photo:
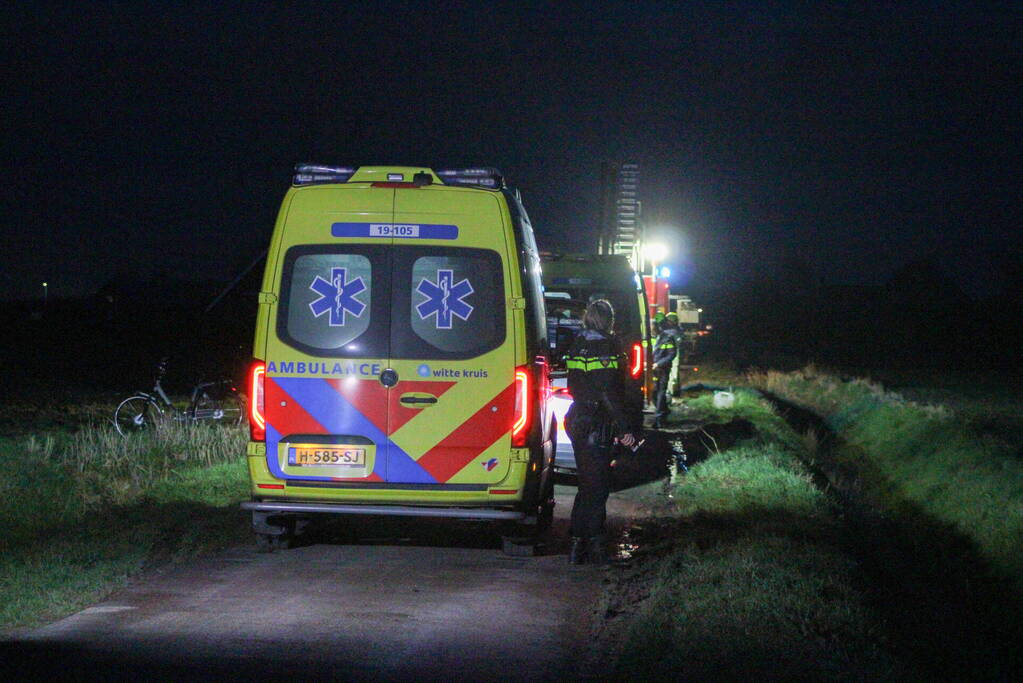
(327, 304)
(532, 287)
(455, 305)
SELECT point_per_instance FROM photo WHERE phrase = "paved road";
(392, 600)
(360, 599)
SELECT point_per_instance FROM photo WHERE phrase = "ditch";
(861, 592)
(942, 605)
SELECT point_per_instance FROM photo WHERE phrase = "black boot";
(577, 550)
(595, 551)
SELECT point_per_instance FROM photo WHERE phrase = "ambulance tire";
(545, 496)
(546, 517)
(519, 546)
(268, 543)
(545, 511)
(521, 539)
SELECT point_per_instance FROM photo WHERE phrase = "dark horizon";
(856, 140)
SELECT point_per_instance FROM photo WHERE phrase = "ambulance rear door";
(325, 404)
(452, 339)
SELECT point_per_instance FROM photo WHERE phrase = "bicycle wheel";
(135, 414)
(229, 411)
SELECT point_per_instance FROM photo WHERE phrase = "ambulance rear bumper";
(392, 510)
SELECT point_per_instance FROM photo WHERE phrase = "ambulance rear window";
(456, 304)
(380, 301)
(328, 305)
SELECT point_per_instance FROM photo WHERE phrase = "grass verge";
(748, 577)
(86, 510)
(953, 465)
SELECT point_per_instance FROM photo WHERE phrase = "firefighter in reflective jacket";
(665, 350)
(605, 407)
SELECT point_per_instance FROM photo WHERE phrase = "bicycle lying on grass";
(216, 401)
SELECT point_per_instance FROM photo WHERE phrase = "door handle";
(413, 399)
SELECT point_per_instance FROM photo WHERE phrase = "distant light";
(44, 284)
(699, 310)
(655, 251)
(665, 272)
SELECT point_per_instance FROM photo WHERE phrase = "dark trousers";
(661, 394)
(593, 465)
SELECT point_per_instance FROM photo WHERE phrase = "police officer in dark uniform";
(665, 350)
(605, 407)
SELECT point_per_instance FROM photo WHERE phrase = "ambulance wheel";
(521, 539)
(545, 510)
(268, 543)
(519, 546)
(545, 518)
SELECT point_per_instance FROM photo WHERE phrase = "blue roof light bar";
(312, 174)
(488, 177)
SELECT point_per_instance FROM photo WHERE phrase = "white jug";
(723, 399)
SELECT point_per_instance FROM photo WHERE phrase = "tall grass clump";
(55, 479)
(85, 510)
(146, 457)
(930, 457)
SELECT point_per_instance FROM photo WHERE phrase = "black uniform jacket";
(599, 383)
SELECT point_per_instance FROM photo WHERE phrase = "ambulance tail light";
(523, 406)
(636, 366)
(477, 177)
(257, 419)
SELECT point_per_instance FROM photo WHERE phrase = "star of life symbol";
(337, 296)
(444, 299)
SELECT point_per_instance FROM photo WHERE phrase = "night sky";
(145, 141)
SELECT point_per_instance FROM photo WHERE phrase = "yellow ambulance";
(401, 357)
